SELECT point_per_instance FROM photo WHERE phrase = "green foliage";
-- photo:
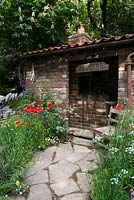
(34, 24)
(52, 21)
(6, 59)
(31, 25)
(19, 136)
(120, 17)
(32, 128)
(55, 124)
(22, 21)
(4, 198)
(21, 102)
(114, 177)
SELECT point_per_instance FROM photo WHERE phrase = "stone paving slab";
(17, 198)
(81, 141)
(61, 171)
(76, 196)
(40, 192)
(57, 172)
(40, 177)
(92, 156)
(62, 153)
(76, 156)
(47, 155)
(34, 169)
(67, 146)
(81, 149)
(82, 181)
(89, 134)
(86, 165)
(65, 187)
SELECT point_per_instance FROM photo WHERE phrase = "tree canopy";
(27, 25)
(34, 24)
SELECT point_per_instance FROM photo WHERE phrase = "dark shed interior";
(92, 92)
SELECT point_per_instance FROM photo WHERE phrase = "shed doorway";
(92, 92)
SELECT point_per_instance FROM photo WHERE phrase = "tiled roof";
(63, 47)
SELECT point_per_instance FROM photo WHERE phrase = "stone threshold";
(82, 133)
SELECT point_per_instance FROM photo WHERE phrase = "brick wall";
(92, 110)
(122, 77)
(51, 77)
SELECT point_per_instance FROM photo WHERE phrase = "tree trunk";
(94, 24)
(103, 5)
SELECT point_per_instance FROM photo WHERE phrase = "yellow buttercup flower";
(17, 183)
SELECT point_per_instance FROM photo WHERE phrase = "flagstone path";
(60, 172)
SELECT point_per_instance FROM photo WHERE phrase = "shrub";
(115, 176)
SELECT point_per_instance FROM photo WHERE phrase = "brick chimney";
(80, 37)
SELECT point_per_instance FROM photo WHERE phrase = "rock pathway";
(60, 172)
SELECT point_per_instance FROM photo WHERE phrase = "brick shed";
(87, 75)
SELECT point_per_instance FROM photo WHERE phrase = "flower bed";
(35, 125)
(114, 178)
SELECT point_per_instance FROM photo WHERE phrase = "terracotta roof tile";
(63, 47)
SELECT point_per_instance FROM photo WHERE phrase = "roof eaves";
(101, 42)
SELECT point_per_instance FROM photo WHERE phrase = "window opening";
(98, 83)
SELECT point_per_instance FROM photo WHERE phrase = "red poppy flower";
(33, 110)
(39, 103)
(30, 102)
(63, 115)
(39, 109)
(50, 105)
(117, 107)
(18, 123)
(27, 109)
(19, 114)
(28, 125)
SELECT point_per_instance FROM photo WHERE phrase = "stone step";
(83, 133)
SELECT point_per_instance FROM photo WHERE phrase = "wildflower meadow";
(36, 124)
(114, 178)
